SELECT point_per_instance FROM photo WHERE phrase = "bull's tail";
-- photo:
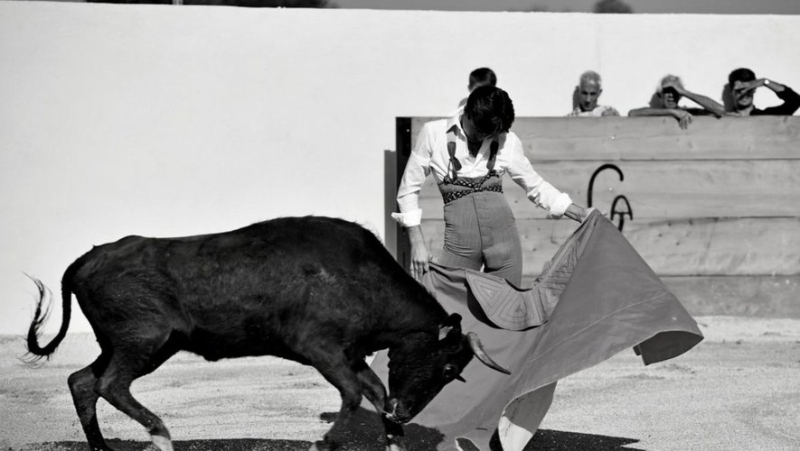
(43, 306)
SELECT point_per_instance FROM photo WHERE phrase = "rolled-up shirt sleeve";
(417, 169)
(537, 189)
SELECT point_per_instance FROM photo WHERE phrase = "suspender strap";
(455, 165)
(492, 155)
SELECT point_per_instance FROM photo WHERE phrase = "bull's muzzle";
(396, 412)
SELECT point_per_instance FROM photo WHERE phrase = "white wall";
(164, 121)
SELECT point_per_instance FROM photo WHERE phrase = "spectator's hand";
(675, 86)
(684, 118)
(747, 85)
(609, 112)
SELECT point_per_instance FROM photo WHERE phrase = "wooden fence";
(716, 208)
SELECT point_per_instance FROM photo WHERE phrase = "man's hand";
(577, 213)
(672, 84)
(684, 117)
(419, 252)
(739, 85)
(419, 261)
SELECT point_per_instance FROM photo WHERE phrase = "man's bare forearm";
(706, 102)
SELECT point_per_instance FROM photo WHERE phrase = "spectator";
(669, 93)
(743, 84)
(482, 76)
(588, 91)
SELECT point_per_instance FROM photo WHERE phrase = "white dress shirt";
(598, 111)
(430, 155)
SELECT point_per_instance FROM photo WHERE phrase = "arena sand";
(737, 390)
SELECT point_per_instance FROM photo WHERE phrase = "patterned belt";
(455, 195)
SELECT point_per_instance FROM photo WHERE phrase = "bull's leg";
(373, 389)
(114, 386)
(336, 370)
(81, 384)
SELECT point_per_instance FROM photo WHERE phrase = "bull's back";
(257, 290)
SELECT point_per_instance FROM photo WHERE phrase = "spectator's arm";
(705, 102)
(684, 117)
(791, 99)
(647, 111)
(776, 87)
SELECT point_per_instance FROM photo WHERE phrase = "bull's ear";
(450, 323)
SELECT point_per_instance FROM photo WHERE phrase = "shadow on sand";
(364, 434)
(548, 440)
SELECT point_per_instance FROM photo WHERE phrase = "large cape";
(595, 298)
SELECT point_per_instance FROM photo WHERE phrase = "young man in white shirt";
(468, 154)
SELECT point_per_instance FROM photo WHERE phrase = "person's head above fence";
(482, 76)
(669, 91)
(586, 96)
(489, 112)
(740, 86)
(743, 84)
(590, 87)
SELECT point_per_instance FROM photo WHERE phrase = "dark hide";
(320, 291)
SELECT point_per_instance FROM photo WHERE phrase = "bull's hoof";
(102, 447)
(395, 447)
(321, 446)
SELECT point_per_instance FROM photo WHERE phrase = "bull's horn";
(477, 348)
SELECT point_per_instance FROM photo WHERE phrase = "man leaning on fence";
(588, 91)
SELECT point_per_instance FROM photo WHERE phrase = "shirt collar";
(454, 124)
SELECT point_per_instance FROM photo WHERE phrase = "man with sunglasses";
(665, 103)
(743, 84)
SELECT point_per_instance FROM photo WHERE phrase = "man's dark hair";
(490, 109)
(483, 76)
(742, 74)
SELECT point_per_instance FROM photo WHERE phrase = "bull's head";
(423, 364)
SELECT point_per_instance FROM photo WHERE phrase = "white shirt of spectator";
(430, 155)
(596, 112)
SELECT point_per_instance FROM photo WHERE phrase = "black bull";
(320, 291)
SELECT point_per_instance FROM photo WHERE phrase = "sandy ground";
(737, 390)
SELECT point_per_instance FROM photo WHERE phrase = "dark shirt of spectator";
(743, 84)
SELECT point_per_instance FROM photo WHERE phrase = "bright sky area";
(639, 6)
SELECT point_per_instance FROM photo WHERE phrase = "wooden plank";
(766, 296)
(715, 207)
(705, 247)
(754, 296)
(664, 189)
(711, 246)
(619, 139)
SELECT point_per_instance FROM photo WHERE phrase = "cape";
(595, 298)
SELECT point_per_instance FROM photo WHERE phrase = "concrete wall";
(163, 121)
